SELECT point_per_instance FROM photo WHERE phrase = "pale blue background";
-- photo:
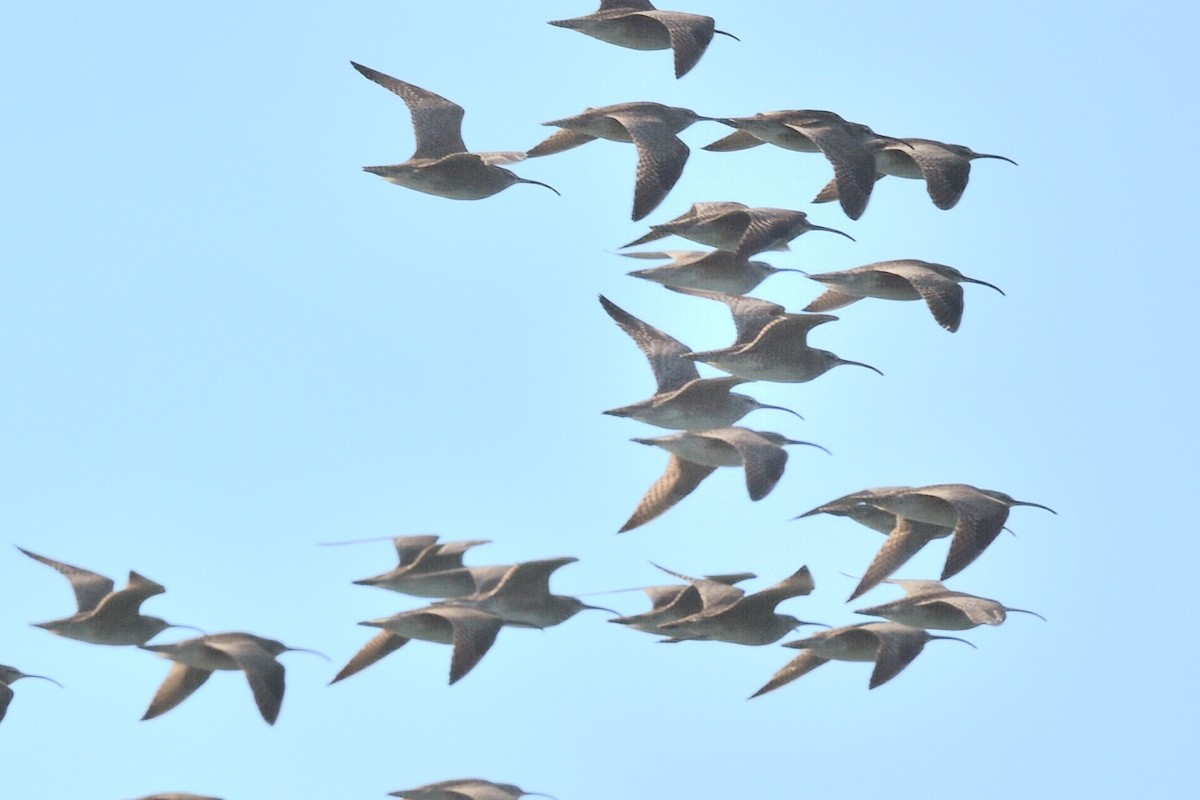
(223, 343)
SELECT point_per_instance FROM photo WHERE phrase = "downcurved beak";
(303, 650)
(831, 230)
(810, 444)
(818, 624)
(781, 408)
(539, 183)
(42, 677)
(858, 364)
(593, 608)
(983, 283)
(1035, 505)
(999, 158)
(200, 631)
(1023, 611)
(726, 33)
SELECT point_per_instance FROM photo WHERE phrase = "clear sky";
(223, 343)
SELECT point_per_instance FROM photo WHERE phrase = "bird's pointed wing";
(802, 664)
(919, 588)
(853, 164)
(128, 601)
(763, 460)
(473, 633)
(830, 300)
(663, 351)
(750, 314)
(6, 696)
(557, 142)
(797, 584)
(383, 644)
(90, 587)
(532, 578)
(906, 538)
(181, 681)
(943, 295)
(263, 672)
(437, 122)
(661, 156)
(408, 548)
(689, 33)
(739, 140)
(680, 480)
(945, 172)
(980, 520)
(897, 649)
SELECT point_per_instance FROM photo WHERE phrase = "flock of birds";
(472, 604)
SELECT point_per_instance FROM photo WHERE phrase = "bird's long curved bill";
(726, 33)
(984, 283)
(999, 158)
(831, 230)
(810, 444)
(1025, 611)
(43, 677)
(859, 364)
(539, 183)
(1035, 505)
(781, 408)
(305, 650)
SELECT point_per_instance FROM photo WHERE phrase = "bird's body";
(929, 604)
(890, 645)
(105, 616)
(976, 516)
(651, 127)
(470, 631)
(683, 400)
(904, 279)
(196, 659)
(519, 595)
(432, 570)
(441, 164)
(744, 619)
(736, 228)
(945, 168)
(676, 601)
(711, 271)
(771, 344)
(850, 147)
(638, 25)
(694, 456)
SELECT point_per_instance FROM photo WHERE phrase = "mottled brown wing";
(681, 479)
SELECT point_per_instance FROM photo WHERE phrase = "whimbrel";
(683, 400)
(945, 169)
(890, 645)
(676, 601)
(651, 127)
(465, 789)
(470, 631)
(976, 515)
(8, 675)
(106, 616)
(736, 227)
(520, 594)
(707, 270)
(929, 604)
(850, 147)
(638, 25)
(694, 456)
(903, 279)
(415, 574)
(441, 164)
(745, 619)
(905, 537)
(196, 659)
(771, 344)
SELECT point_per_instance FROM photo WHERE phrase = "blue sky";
(224, 343)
